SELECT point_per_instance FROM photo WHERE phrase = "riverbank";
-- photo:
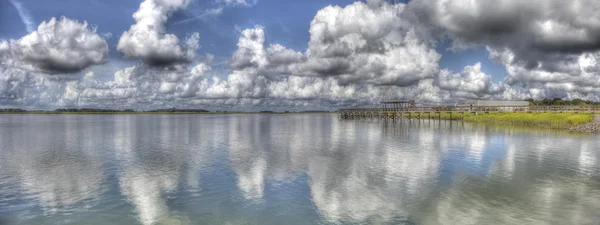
(591, 127)
(564, 121)
(544, 120)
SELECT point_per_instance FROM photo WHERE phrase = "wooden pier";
(447, 112)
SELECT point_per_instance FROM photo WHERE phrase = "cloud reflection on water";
(52, 167)
(368, 171)
(154, 157)
(421, 172)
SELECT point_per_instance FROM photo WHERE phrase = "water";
(290, 169)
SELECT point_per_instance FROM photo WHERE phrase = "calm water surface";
(290, 169)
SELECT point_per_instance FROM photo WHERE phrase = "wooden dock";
(439, 112)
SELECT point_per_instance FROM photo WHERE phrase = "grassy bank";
(544, 120)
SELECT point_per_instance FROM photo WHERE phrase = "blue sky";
(268, 54)
(218, 35)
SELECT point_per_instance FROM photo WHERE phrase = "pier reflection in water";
(291, 169)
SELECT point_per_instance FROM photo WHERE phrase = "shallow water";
(291, 169)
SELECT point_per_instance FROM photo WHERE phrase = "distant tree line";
(178, 110)
(12, 110)
(93, 110)
(560, 101)
(316, 111)
(90, 110)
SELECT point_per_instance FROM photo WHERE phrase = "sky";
(293, 55)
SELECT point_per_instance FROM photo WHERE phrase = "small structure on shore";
(397, 104)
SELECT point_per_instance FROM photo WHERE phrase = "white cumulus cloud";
(147, 38)
(57, 46)
(357, 55)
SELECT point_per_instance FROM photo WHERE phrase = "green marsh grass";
(544, 120)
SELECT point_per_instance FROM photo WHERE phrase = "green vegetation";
(544, 120)
(175, 110)
(560, 101)
(11, 110)
(92, 110)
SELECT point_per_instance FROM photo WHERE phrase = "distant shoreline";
(150, 113)
(575, 122)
